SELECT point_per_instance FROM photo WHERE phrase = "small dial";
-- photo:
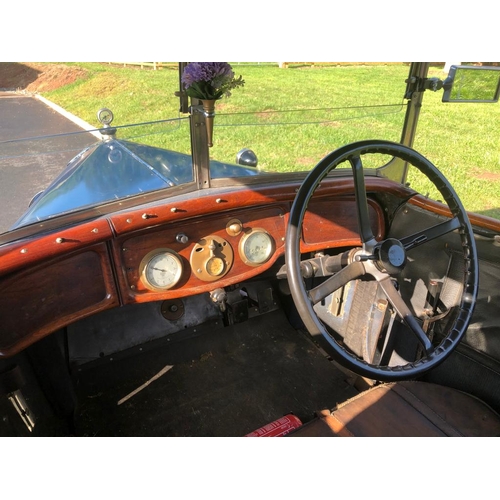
(211, 258)
(105, 116)
(256, 247)
(161, 269)
(215, 266)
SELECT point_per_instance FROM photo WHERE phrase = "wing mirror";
(472, 84)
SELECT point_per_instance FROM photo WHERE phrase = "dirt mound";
(35, 77)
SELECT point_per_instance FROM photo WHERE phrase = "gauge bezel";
(201, 254)
(146, 262)
(241, 247)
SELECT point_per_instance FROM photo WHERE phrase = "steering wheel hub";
(391, 256)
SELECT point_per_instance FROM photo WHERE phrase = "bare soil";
(36, 77)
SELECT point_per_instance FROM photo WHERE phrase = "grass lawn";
(292, 117)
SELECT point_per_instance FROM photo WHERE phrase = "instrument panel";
(200, 254)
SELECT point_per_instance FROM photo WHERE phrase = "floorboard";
(224, 382)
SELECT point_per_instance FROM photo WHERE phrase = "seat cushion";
(412, 409)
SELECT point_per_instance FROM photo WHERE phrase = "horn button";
(391, 256)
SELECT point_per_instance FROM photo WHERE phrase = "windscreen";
(46, 176)
(292, 116)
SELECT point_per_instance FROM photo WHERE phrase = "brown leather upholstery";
(411, 409)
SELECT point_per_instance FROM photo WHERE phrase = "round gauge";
(215, 266)
(211, 258)
(256, 247)
(105, 116)
(161, 269)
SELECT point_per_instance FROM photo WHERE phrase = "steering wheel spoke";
(431, 233)
(338, 280)
(365, 230)
(405, 314)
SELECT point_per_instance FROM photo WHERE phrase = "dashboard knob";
(182, 238)
(234, 227)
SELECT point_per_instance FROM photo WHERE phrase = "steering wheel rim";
(304, 300)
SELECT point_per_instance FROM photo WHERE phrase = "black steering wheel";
(382, 261)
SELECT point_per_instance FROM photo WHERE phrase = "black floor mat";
(225, 382)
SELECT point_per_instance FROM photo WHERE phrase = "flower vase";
(209, 112)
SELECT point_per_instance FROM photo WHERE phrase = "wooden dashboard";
(57, 278)
(328, 224)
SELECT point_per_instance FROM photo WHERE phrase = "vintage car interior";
(202, 298)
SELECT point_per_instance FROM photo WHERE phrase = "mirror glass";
(472, 84)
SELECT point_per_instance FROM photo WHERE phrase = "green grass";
(293, 117)
(463, 141)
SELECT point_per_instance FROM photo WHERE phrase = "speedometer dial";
(256, 247)
(161, 269)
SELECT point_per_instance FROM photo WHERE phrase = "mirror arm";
(417, 84)
(433, 84)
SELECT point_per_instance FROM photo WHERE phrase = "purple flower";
(206, 72)
(209, 80)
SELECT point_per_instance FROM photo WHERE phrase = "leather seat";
(406, 409)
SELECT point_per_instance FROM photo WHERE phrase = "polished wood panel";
(482, 221)
(328, 224)
(38, 301)
(35, 249)
(332, 223)
(129, 251)
(211, 201)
